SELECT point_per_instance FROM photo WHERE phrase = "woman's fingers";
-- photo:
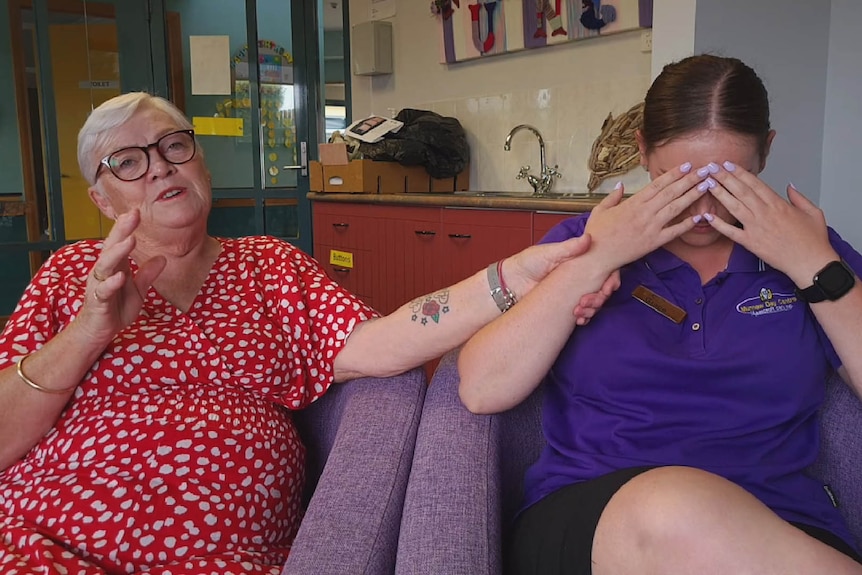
(117, 247)
(665, 180)
(148, 272)
(105, 290)
(799, 200)
(612, 199)
(123, 227)
(734, 233)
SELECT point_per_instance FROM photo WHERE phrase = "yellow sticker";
(206, 126)
(341, 259)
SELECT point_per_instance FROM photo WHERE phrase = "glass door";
(60, 58)
(250, 81)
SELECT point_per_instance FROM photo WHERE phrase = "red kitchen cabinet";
(544, 221)
(401, 252)
(344, 235)
(475, 238)
(406, 255)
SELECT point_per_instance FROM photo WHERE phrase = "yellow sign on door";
(342, 259)
(206, 126)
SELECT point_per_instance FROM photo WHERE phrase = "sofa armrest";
(366, 433)
(840, 461)
(467, 480)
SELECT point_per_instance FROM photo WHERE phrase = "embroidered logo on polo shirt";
(766, 302)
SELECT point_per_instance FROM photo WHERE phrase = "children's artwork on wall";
(473, 29)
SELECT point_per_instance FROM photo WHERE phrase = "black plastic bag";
(426, 139)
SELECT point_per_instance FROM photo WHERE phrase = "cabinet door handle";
(460, 236)
(341, 270)
(340, 225)
(424, 233)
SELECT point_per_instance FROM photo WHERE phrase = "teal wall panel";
(11, 178)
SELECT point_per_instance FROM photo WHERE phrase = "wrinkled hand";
(114, 297)
(524, 270)
(591, 303)
(790, 235)
(625, 231)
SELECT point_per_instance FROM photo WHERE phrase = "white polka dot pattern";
(177, 453)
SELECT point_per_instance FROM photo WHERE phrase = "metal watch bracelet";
(502, 295)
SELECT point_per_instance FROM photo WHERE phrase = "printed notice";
(341, 259)
(210, 64)
(382, 9)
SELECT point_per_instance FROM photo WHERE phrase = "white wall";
(841, 193)
(565, 91)
(673, 32)
(808, 53)
(787, 44)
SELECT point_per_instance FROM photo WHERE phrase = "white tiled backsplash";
(569, 116)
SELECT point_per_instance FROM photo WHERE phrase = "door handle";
(424, 233)
(460, 236)
(303, 160)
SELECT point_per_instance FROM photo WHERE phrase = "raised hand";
(790, 235)
(114, 296)
(626, 231)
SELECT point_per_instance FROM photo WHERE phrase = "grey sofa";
(466, 481)
(359, 439)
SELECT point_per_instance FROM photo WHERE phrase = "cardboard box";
(460, 183)
(417, 179)
(370, 177)
(333, 154)
(357, 177)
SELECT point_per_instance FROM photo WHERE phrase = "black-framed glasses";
(129, 164)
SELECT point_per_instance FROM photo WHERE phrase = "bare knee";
(668, 512)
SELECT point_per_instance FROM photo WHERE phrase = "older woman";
(144, 379)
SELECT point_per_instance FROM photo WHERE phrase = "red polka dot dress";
(177, 453)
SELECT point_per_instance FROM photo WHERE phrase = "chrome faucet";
(542, 184)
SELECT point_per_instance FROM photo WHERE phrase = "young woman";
(681, 419)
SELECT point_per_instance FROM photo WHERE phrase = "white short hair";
(112, 114)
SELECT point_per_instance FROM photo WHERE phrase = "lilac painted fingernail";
(703, 186)
(712, 167)
(792, 186)
(729, 166)
(618, 185)
(685, 167)
(708, 217)
(711, 183)
(703, 172)
(696, 219)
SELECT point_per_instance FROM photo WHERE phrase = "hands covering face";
(790, 235)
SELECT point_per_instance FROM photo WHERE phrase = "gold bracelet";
(35, 385)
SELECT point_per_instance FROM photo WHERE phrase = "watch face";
(835, 280)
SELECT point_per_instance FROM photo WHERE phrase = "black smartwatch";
(830, 283)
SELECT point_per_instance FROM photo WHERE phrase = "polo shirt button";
(698, 301)
(695, 327)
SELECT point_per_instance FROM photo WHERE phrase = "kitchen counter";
(468, 200)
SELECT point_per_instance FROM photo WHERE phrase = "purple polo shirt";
(733, 389)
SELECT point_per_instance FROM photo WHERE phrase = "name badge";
(654, 301)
